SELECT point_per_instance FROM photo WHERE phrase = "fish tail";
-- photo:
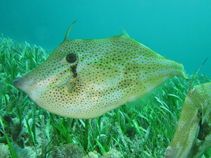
(179, 70)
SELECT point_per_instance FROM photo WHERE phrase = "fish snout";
(23, 83)
(170, 153)
(18, 82)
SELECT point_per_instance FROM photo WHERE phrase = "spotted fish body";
(107, 73)
(193, 134)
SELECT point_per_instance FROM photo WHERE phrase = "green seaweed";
(12, 151)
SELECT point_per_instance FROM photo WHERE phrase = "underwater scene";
(105, 79)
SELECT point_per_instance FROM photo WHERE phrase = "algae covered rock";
(4, 151)
(93, 154)
(113, 153)
(67, 151)
(24, 152)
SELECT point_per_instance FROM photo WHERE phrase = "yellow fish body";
(87, 78)
(193, 134)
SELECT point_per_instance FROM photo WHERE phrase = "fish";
(85, 78)
(192, 137)
(193, 133)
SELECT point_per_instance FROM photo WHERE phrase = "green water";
(177, 29)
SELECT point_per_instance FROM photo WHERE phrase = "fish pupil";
(71, 58)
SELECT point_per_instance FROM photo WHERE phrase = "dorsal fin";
(68, 30)
(191, 84)
(124, 33)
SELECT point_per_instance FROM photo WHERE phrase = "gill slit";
(61, 84)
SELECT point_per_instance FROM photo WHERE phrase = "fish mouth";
(170, 152)
(18, 82)
(23, 83)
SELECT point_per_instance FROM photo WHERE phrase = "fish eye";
(71, 58)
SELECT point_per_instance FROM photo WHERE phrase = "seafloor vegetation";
(140, 129)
